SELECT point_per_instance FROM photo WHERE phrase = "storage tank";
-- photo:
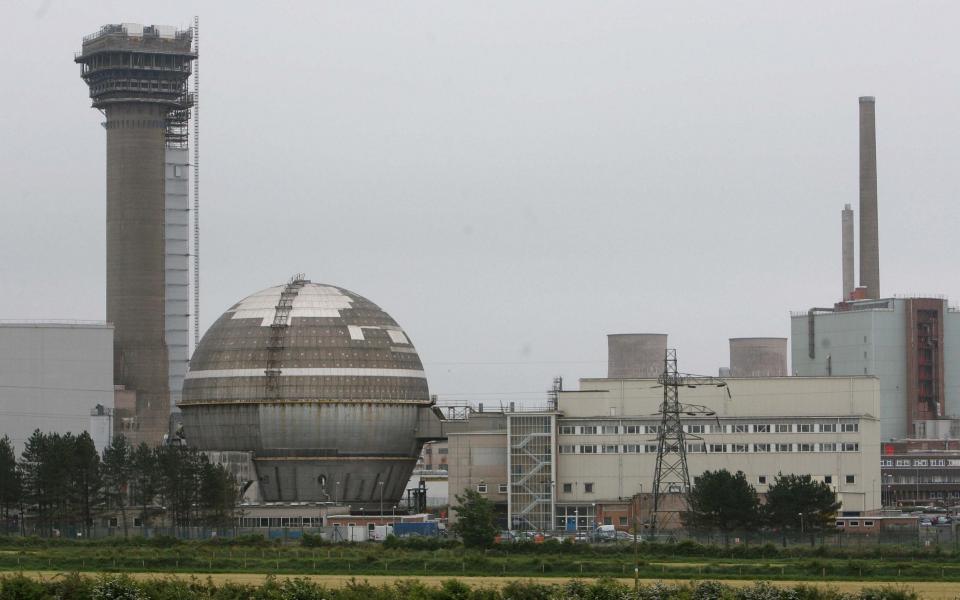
(635, 355)
(321, 385)
(758, 357)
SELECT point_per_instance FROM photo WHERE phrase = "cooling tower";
(758, 357)
(635, 355)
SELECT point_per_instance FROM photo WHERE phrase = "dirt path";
(929, 590)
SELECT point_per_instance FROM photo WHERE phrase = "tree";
(218, 495)
(10, 487)
(144, 482)
(117, 472)
(475, 523)
(722, 501)
(86, 479)
(799, 502)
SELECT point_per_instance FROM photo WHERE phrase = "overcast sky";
(511, 180)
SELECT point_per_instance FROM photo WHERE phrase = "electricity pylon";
(671, 474)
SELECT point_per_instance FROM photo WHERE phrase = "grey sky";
(511, 180)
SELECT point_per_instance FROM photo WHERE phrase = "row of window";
(702, 447)
(919, 462)
(483, 488)
(713, 428)
(854, 523)
(567, 488)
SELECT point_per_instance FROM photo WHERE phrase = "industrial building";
(138, 79)
(590, 456)
(921, 472)
(912, 344)
(319, 388)
(56, 377)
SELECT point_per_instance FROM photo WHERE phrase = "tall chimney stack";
(869, 230)
(846, 241)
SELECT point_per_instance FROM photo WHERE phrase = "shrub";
(116, 588)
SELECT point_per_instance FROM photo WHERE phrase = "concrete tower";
(758, 357)
(635, 355)
(138, 79)
(869, 230)
(846, 241)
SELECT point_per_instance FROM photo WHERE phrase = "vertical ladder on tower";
(278, 333)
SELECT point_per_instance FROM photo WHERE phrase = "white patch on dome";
(397, 336)
(356, 332)
(312, 300)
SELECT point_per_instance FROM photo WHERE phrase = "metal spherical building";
(322, 387)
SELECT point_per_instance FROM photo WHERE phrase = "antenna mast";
(196, 183)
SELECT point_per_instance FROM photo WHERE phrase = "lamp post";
(801, 524)
(381, 499)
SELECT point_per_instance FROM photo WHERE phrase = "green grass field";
(375, 559)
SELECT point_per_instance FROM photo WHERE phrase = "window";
(568, 488)
(854, 523)
(828, 428)
(588, 429)
(588, 488)
(805, 447)
(567, 430)
(610, 448)
(696, 448)
(850, 427)
(937, 462)
(784, 447)
(112, 522)
(694, 428)
(648, 448)
(783, 428)
(853, 447)
(920, 462)
(623, 521)
(758, 428)
(886, 462)
(741, 428)
(610, 429)
(868, 523)
(828, 479)
(567, 449)
(805, 428)
(903, 462)
(588, 449)
(371, 527)
(443, 450)
(762, 479)
(739, 447)
(761, 447)
(716, 448)
(502, 488)
(137, 522)
(653, 429)
(840, 523)
(634, 429)
(482, 488)
(828, 447)
(631, 448)
(608, 520)
(177, 171)
(851, 479)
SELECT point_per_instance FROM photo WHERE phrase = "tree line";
(726, 502)
(60, 482)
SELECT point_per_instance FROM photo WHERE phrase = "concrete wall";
(135, 260)
(478, 455)
(52, 376)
